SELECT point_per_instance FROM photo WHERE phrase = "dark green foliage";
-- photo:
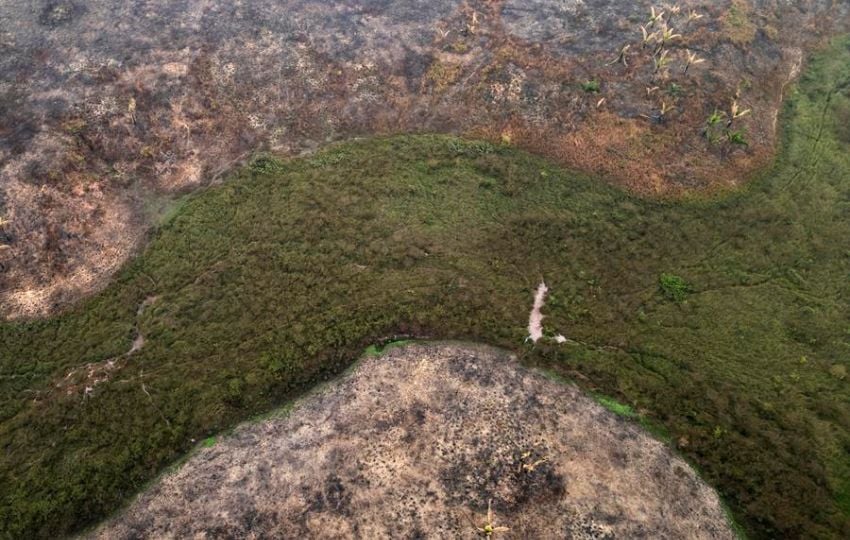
(737, 137)
(673, 287)
(279, 278)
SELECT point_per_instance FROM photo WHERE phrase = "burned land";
(418, 443)
(110, 109)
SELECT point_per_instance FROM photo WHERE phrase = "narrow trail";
(535, 318)
(86, 378)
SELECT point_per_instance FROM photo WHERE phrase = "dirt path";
(535, 318)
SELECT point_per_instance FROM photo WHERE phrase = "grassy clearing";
(280, 278)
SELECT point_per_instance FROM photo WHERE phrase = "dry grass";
(432, 441)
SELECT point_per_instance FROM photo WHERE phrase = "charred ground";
(109, 109)
(417, 443)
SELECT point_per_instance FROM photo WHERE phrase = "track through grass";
(256, 290)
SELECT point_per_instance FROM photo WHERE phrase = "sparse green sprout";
(591, 86)
(489, 528)
(737, 137)
(715, 118)
(712, 129)
(691, 59)
(673, 287)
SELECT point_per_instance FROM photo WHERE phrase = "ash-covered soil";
(416, 444)
(109, 108)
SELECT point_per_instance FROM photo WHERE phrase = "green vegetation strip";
(726, 321)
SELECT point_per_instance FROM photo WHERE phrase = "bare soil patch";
(415, 444)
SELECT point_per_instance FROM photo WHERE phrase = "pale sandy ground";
(414, 444)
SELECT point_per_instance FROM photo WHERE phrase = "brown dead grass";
(166, 119)
(415, 444)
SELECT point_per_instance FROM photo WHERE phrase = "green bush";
(673, 287)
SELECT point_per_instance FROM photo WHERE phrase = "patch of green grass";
(209, 442)
(737, 137)
(673, 287)
(277, 280)
(591, 86)
(616, 407)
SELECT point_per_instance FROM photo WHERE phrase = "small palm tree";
(661, 61)
(693, 16)
(714, 120)
(489, 528)
(648, 37)
(736, 112)
(654, 17)
(675, 9)
(621, 57)
(691, 59)
(668, 34)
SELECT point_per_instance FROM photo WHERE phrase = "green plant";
(591, 86)
(691, 59)
(648, 37)
(715, 118)
(667, 35)
(489, 528)
(737, 137)
(736, 112)
(673, 287)
(713, 130)
(661, 61)
(616, 407)
(654, 17)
